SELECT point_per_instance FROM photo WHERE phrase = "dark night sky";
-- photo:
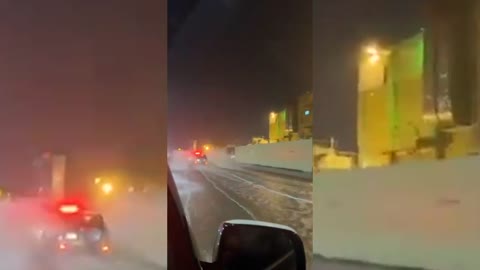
(232, 63)
(340, 27)
(87, 78)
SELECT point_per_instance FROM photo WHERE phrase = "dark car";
(201, 160)
(197, 157)
(79, 231)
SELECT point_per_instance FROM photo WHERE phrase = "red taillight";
(69, 208)
(62, 246)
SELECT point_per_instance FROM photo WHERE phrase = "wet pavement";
(212, 195)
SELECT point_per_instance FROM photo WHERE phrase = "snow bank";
(294, 155)
(138, 225)
(424, 214)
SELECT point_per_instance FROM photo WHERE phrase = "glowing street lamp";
(373, 54)
(98, 180)
(107, 188)
(372, 50)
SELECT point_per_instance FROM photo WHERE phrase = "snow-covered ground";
(138, 224)
(422, 214)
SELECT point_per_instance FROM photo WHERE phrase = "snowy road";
(211, 195)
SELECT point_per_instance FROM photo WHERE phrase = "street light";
(373, 54)
(372, 50)
(98, 180)
(107, 188)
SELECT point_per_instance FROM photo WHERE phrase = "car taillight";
(69, 209)
(62, 246)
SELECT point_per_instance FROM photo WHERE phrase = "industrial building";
(293, 122)
(407, 106)
(305, 115)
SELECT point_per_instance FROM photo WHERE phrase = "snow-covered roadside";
(424, 214)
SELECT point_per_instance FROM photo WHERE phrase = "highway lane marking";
(187, 208)
(184, 192)
(228, 196)
(274, 191)
(271, 190)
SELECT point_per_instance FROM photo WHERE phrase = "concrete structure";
(259, 140)
(58, 175)
(405, 114)
(372, 117)
(277, 124)
(326, 156)
(390, 105)
(294, 155)
(453, 41)
(49, 175)
(305, 115)
(293, 122)
(454, 27)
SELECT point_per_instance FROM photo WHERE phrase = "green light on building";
(405, 72)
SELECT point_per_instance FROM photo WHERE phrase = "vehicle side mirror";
(245, 244)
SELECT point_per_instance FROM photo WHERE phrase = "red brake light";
(69, 208)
